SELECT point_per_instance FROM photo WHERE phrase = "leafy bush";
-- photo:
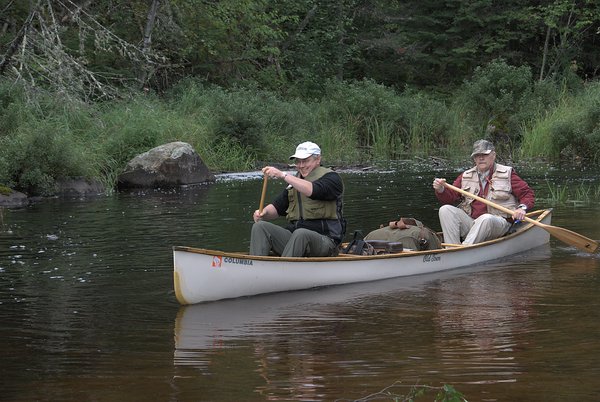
(544, 95)
(42, 140)
(259, 123)
(36, 155)
(368, 115)
(237, 121)
(391, 124)
(360, 98)
(570, 131)
(495, 96)
(129, 128)
(39, 140)
(577, 133)
(427, 123)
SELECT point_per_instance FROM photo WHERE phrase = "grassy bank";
(569, 193)
(42, 140)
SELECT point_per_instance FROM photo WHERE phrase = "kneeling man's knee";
(486, 218)
(446, 209)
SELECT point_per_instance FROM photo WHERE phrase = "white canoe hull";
(202, 275)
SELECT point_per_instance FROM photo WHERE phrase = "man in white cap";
(475, 221)
(312, 204)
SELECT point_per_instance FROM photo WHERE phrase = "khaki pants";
(456, 224)
(266, 237)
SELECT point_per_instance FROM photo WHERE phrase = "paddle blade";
(572, 238)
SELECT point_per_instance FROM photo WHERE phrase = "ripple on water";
(93, 309)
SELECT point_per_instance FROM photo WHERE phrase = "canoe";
(204, 327)
(202, 275)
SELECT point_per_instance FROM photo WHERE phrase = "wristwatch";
(523, 207)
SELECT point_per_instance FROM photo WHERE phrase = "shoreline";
(85, 188)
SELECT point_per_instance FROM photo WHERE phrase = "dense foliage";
(292, 46)
(244, 80)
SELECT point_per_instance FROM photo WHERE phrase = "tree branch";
(299, 29)
(16, 42)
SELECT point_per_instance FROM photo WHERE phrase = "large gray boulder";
(169, 165)
(13, 199)
(79, 187)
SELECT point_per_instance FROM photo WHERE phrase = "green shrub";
(127, 129)
(228, 156)
(427, 123)
(360, 102)
(494, 96)
(36, 155)
(261, 124)
(42, 140)
(237, 121)
(570, 131)
(5, 190)
(545, 95)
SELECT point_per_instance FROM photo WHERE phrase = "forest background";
(87, 85)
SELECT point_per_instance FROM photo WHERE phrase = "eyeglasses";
(303, 161)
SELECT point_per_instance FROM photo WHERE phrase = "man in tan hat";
(312, 203)
(473, 220)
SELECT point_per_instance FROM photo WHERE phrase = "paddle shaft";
(565, 235)
(262, 196)
(486, 201)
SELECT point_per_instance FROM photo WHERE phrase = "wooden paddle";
(262, 196)
(564, 235)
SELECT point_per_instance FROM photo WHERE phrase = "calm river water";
(88, 311)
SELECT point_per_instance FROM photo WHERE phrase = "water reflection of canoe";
(205, 327)
(205, 275)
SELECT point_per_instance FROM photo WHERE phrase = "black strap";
(300, 209)
(423, 243)
(357, 240)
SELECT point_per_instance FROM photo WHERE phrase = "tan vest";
(500, 191)
(311, 209)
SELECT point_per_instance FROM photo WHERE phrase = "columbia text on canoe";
(218, 261)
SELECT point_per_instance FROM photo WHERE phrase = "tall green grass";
(233, 129)
(558, 194)
(570, 131)
(561, 194)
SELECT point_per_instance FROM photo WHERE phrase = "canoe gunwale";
(539, 214)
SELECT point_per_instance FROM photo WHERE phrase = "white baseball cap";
(305, 150)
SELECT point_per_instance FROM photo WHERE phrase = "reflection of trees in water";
(485, 319)
(302, 369)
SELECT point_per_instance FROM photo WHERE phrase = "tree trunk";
(150, 25)
(545, 55)
(147, 42)
(299, 29)
(283, 47)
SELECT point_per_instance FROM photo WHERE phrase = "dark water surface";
(88, 311)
